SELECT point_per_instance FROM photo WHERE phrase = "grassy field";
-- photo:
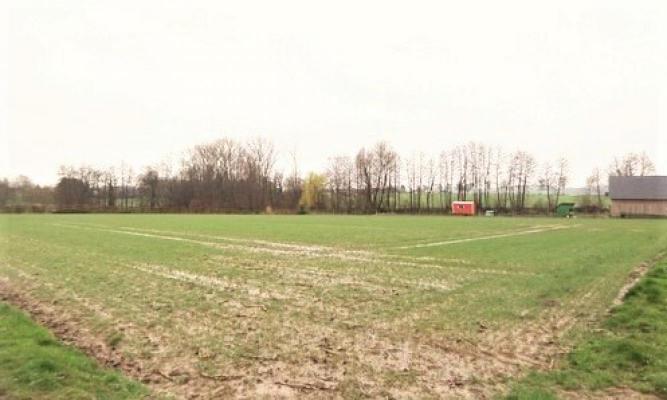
(33, 365)
(320, 306)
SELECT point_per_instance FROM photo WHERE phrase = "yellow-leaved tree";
(312, 196)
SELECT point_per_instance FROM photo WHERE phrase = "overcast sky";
(100, 82)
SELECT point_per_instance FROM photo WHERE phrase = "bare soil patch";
(634, 278)
(329, 361)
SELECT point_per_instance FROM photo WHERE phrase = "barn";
(638, 196)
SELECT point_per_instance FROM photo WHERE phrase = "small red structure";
(463, 208)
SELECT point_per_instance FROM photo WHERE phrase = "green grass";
(629, 351)
(34, 365)
(370, 305)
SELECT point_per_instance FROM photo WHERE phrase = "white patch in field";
(364, 257)
(502, 235)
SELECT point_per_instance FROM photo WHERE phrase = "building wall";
(638, 207)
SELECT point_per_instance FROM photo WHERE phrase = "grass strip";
(630, 351)
(34, 365)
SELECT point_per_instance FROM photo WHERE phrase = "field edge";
(626, 357)
(36, 364)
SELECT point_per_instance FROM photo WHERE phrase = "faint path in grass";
(208, 281)
(277, 249)
(489, 237)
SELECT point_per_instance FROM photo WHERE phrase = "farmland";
(321, 306)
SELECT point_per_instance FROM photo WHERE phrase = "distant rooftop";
(638, 187)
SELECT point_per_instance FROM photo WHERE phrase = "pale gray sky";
(100, 82)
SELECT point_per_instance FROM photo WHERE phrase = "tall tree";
(148, 186)
(312, 196)
(632, 164)
(376, 167)
(547, 182)
(561, 177)
(593, 182)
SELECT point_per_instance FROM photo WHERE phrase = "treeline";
(221, 176)
(231, 176)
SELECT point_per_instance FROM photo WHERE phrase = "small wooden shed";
(463, 208)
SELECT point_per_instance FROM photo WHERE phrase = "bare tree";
(497, 167)
(646, 166)
(148, 186)
(431, 175)
(411, 169)
(632, 164)
(547, 183)
(593, 182)
(561, 177)
(519, 172)
(126, 183)
(338, 176)
(294, 182)
(376, 169)
(261, 157)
